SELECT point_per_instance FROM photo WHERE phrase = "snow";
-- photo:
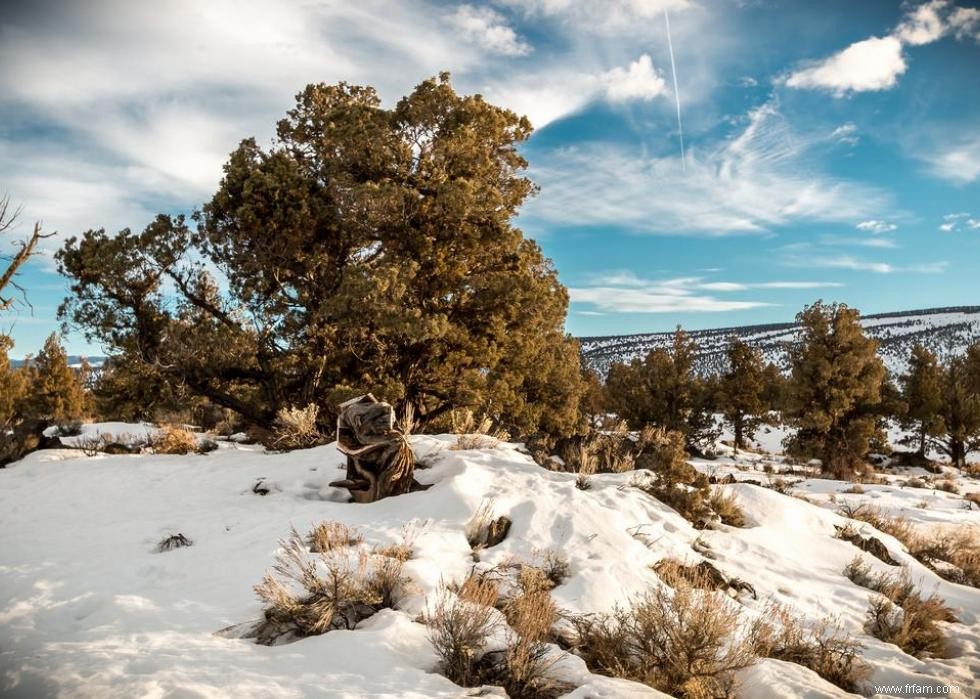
(945, 331)
(88, 608)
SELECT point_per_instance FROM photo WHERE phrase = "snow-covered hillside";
(945, 331)
(89, 608)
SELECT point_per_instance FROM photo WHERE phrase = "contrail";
(677, 94)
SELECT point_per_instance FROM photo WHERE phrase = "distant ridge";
(945, 331)
(73, 360)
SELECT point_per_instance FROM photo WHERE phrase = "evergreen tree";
(835, 388)
(368, 249)
(961, 406)
(55, 392)
(11, 388)
(922, 396)
(662, 390)
(742, 390)
(776, 387)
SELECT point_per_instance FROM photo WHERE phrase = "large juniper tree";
(368, 249)
(835, 388)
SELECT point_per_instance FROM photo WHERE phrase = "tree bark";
(380, 462)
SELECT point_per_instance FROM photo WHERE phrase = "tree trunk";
(380, 462)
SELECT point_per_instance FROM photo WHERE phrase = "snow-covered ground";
(945, 331)
(88, 608)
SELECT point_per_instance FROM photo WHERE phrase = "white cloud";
(953, 222)
(955, 158)
(924, 24)
(877, 63)
(624, 292)
(871, 64)
(609, 16)
(846, 133)
(639, 81)
(488, 29)
(876, 226)
(860, 265)
(547, 96)
(878, 242)
(760, 179)
(965, 23)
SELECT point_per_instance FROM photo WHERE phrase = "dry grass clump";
(953, 555)
(947, 486)
(296, 428)
(174, 541)
(702, 576)
(972, 499)
(484, 530)
(899, 614)
(554, 564)
(588, 464)
(898, 527)
(523, 668)
(400, 551)
(174, 439)
(855, 489)
(460, 627)
(331, 536)
(475, 434)
(463, 623)
(307, 595)
(725, 505)
(826, 648)
(686, 642)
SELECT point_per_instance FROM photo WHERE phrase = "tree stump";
(380, 462)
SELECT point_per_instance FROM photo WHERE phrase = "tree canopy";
(368, 249)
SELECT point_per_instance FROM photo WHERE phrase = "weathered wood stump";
(380, 462)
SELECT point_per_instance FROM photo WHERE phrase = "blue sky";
(832, 149)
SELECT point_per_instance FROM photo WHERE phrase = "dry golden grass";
(951, 554)
(306, 593)
(400, 551)
(330, 536)
(726, 507)
(296, 428)
(825, 647)
(174, 439)
(899, 613)
(460, 626)
(688, 642)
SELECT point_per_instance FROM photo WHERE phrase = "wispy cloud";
(955, 157)
(876, 226)
(766, 176)
(624, 292)
(862, 265)
(958, 221)
(607, 17)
